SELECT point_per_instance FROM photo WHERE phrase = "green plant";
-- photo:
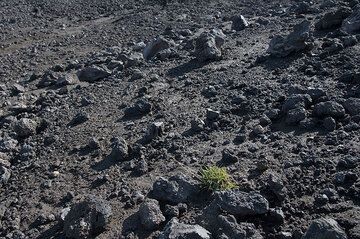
(214, 178)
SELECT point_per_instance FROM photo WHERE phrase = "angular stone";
(329, 108)
(25, 127)
(176, 230)
(239, 23)
(324, 228)
(352, 23)
(150, 214)
(155, 46)
(333, 19)
(93, 73)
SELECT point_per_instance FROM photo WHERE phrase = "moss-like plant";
(214, 178)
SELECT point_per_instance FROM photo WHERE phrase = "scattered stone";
(277, 215)
(25, 127)
(140, 108)
(197, 125)
(212, 115)
(208, 46)
(68, 79)
(177, 189)
(239, 23)
(155, 46)
(4, 175)
(296, 101)
(154, 131)
(93, 73)
(150, 214)
(120, 149)
(227, 227)
(294, 116)
(79, 118)
(17, 89)
(329, 108)
(329, 124)
(352, 105)
(324, 228)
(296, 41)
(176, 230)
(241, 203)
(333, 19)
(229, 157)
(171, 211)
(352, 23)
(87, 218)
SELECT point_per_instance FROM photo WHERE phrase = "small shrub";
(214, 178)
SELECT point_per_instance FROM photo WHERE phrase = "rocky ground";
(109, 109)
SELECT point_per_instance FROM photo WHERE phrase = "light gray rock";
(176, 230)
(324, 228)
(4, 175)
(208, 45)
(155, 46)
(241, 203)
(296, 41)
(87, 218)
(68, 79)
(150, 214)
(352, 23)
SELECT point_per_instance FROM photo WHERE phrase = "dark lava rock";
(93, 73)
(208, 45)
(296, 101)
(296, 41)
(324, 228)
(79, 118)
(229, 157)
(239, 23)
(296, 115)
(154, 131)
(352, 105)
(176, 230)
(150, 214)
(25, 127)
(227, 227)
(120, 149)
(177, 189)
(352, 23)
(68, 79)
(329, 123)
(140, 108)
(333, 19)
(241, 203)
(155, 46)
(88, 218)
(329, 108)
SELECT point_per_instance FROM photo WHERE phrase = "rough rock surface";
(177, 230)
(324, 228)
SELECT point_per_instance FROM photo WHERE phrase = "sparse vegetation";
(215, 178)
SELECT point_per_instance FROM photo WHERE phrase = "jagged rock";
(140, 108)
(296, 101)
(87, 218)
(120, 149)
(212, 115)
(176, 230)
(296, 41)
(208, 45)
(329, 123)
(79, 118)
(68, 79)
(197, 124)
(352, 23)
(155, 46)
(93, 73)
(329, 108)
(228, 227)
(352, 105)
(25, 127)
(4, 175)
(177, 189)
(294, 116)
(154, 130)
(150, 214)
(324, 228)
(239, 23)
(333, 19)
(241, 203)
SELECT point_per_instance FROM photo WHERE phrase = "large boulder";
(88, 218)
(324, 228)
(329, 108)
(352, 23)
(177, 189)
(242, 204)
(208, 46)
(93, 73)
(298, 40)
(150, 214)
(176, 230)
(352, 105)
(333, 19)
